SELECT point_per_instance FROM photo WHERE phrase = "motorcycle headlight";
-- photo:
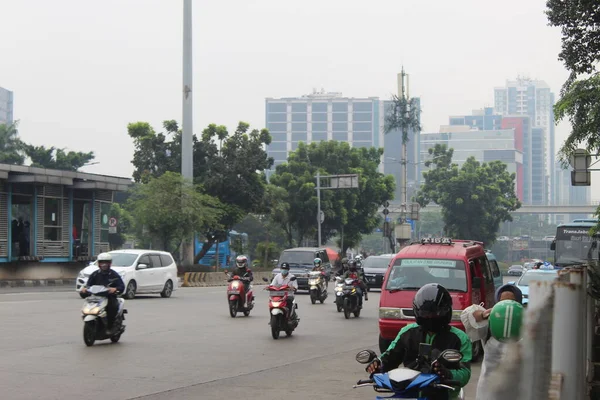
(276, 303)
(312, 281)
(338, 289)
(91, 310)
(390, 313)
(235, 285)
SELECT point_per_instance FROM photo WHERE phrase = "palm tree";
(11, 147)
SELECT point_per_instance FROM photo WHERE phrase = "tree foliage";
(475, 198)
(171, 209)
(225, 165)
(54, 158)
(353, 209)
(404, 115)
(11, 146)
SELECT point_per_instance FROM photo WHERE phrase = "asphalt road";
(185, 347)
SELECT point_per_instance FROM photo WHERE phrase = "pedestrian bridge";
(525, 209)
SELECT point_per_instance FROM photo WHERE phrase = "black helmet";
(352, 265)
(284, 266)
(432, 306)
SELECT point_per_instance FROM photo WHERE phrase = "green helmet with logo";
(506, 319)
(317, 262)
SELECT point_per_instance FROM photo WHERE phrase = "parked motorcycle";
(418, 383)
(95, 320)
(238, 299)
(350, 298)
(339, 293)
(317, 287)
(282, 318)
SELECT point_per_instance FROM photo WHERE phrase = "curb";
(37, 282)
(206, 279)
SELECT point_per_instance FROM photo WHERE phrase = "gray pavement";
(185, 347)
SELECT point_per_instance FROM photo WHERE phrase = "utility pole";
(403, 94)
(187, 146)
(319, 219)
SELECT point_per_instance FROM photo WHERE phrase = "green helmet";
(317, 261)
(506, 319)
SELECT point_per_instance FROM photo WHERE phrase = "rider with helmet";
(343, 268)
(284, 278)
(432, 307)
(241, 269)
(355, 274)
(108, 277)
(318, 266)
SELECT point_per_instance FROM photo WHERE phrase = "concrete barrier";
(204, 279)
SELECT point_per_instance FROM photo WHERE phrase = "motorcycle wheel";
(322, 299)
(89, 333)
(313, 297)
(275, 327)
(115, 338)
(233, 308)
(357, 312)
(246, 313)
(289, 332)
(346, 308)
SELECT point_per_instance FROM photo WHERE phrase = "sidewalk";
(37, 283)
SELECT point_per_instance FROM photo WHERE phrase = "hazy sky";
(82, 70)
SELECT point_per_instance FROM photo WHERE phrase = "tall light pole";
(187, 144)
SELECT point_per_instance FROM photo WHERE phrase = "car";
(503, 239)
(549, 238)
(532, 275)
(516, 270)
(142, 271)
(301, 263)
(375, 268)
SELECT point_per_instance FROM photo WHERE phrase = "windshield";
(377, 262)
(573, 245)
(535, 276)
(295, 258)
(122, 259)
(412, 273)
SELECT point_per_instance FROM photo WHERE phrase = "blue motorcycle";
(419, 383)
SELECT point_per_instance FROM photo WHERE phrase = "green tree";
(11, 146)
(580, 96)
(225, 165)
(475, 198)
(354, 209)
(54, 158)
(171, 209)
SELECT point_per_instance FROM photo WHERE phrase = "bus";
(573, 243)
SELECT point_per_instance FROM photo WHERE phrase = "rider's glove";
(443, 372)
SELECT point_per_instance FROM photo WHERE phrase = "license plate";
(233, 292)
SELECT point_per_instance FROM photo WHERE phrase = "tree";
(356, 210)
(11, 146)
(580, 98)
(229, 172)
(475, 198)
(54, 158)
(404, 115)
(125, 226)
(171, 209)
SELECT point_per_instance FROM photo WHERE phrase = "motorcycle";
(418, 383)
(350, 298)
(339, 293)
(282, 319)
(238, 299)
(317, 288)
(95, 319)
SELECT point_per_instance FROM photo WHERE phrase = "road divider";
(204, 279)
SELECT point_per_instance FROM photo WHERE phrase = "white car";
(142, 271)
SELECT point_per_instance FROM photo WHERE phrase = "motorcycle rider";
(354, 274)
(432, 307)
(105, 276)
(343, 268)
(241, 269)
(284, 278)
(318, 266)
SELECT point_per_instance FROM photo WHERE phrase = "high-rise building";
(485, 145)
(535, 99)
(483, 120)
(6, 106)
(330, 116)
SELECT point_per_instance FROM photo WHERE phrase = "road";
(185, 347)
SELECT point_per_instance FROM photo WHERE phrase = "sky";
(81, 70)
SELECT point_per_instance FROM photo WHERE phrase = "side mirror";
(452, 356)
(292, 279)
(476, 282)
(366, 356)
(142, 266)
(511, 283)
(553, 245)
(265, 279)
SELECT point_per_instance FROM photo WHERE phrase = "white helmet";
(104, 257)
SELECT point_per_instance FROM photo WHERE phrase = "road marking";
(21, 301)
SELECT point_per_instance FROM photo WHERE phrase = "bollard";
(566, 338)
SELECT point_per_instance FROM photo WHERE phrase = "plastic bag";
(475, 330)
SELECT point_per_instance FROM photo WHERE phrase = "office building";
(483, 120)
(330, 116)
(6, 106)
(533, 98)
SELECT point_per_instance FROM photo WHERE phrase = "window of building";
(339, 117)
(340, 127)
(299, 117)
(278, 137)
(294, 146)
(276, 117)
(299, 127)
(339, 107)
(362, 107)
(362, 136)
(52, 219)
(299, 107)
(362, 144)
(362, 117)
(340, 136)
(362, 126)
(319, 117)
(319, 107)
(318, 136)
(277, 126)
(278, 155)
(277, 146)
(276, 107)
(319, 126)
(299, 136)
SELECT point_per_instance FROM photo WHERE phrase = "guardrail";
(204, 279)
